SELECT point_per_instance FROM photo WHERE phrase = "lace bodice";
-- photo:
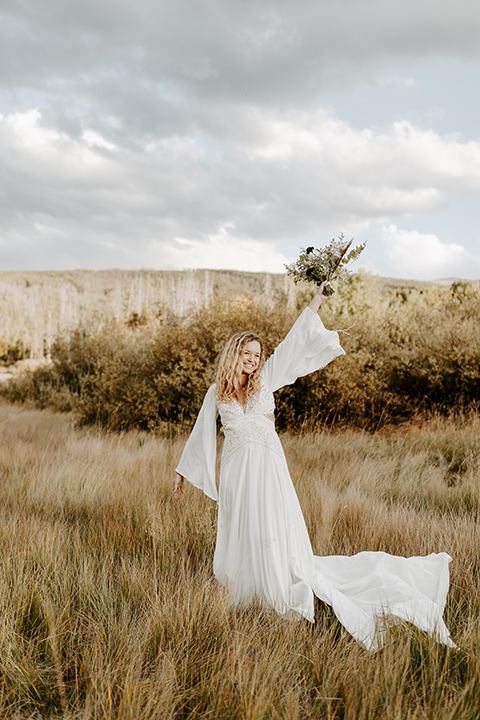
(263, 404)
(251, 424)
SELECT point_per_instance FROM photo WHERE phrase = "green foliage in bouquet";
(330, 263)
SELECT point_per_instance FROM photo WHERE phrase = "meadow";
(110, 610)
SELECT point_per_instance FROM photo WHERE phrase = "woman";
(263, 550)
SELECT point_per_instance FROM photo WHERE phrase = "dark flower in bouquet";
(318, 265)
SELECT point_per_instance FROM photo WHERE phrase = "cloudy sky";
(230, 133)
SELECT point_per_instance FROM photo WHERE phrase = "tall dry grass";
(109, 608)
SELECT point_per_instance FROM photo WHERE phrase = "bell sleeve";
(308, 346)
(197, 463)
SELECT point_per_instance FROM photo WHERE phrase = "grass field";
(109, 608)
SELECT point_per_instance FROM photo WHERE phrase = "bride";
(263, 550)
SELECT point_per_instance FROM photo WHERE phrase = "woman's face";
(251, 356)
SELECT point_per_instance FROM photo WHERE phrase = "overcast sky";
(230, 133)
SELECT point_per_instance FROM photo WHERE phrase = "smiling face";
(251, 356)
(238, 371)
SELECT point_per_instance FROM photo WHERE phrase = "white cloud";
(222, 250)
(292, 175)
(93, 139)
(424, 256)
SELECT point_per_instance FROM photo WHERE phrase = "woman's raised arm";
(318, 298)
(307, 347)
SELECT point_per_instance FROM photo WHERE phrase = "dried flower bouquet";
(330, 263)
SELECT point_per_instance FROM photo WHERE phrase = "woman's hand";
(319, 297)
(321, 288)
(178, 486)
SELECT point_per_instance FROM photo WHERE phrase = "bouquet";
(317, 265)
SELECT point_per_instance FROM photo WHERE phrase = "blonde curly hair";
(230, 367)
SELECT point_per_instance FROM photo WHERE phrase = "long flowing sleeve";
(308, 346)
(197, 463)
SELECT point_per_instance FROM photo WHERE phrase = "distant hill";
(448, 281)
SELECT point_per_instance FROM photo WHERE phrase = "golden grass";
(109, 608)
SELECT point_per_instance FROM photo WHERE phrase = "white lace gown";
(263, 550)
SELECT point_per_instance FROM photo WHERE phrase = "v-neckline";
(242, 407)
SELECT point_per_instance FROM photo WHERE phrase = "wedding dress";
(263, 550)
